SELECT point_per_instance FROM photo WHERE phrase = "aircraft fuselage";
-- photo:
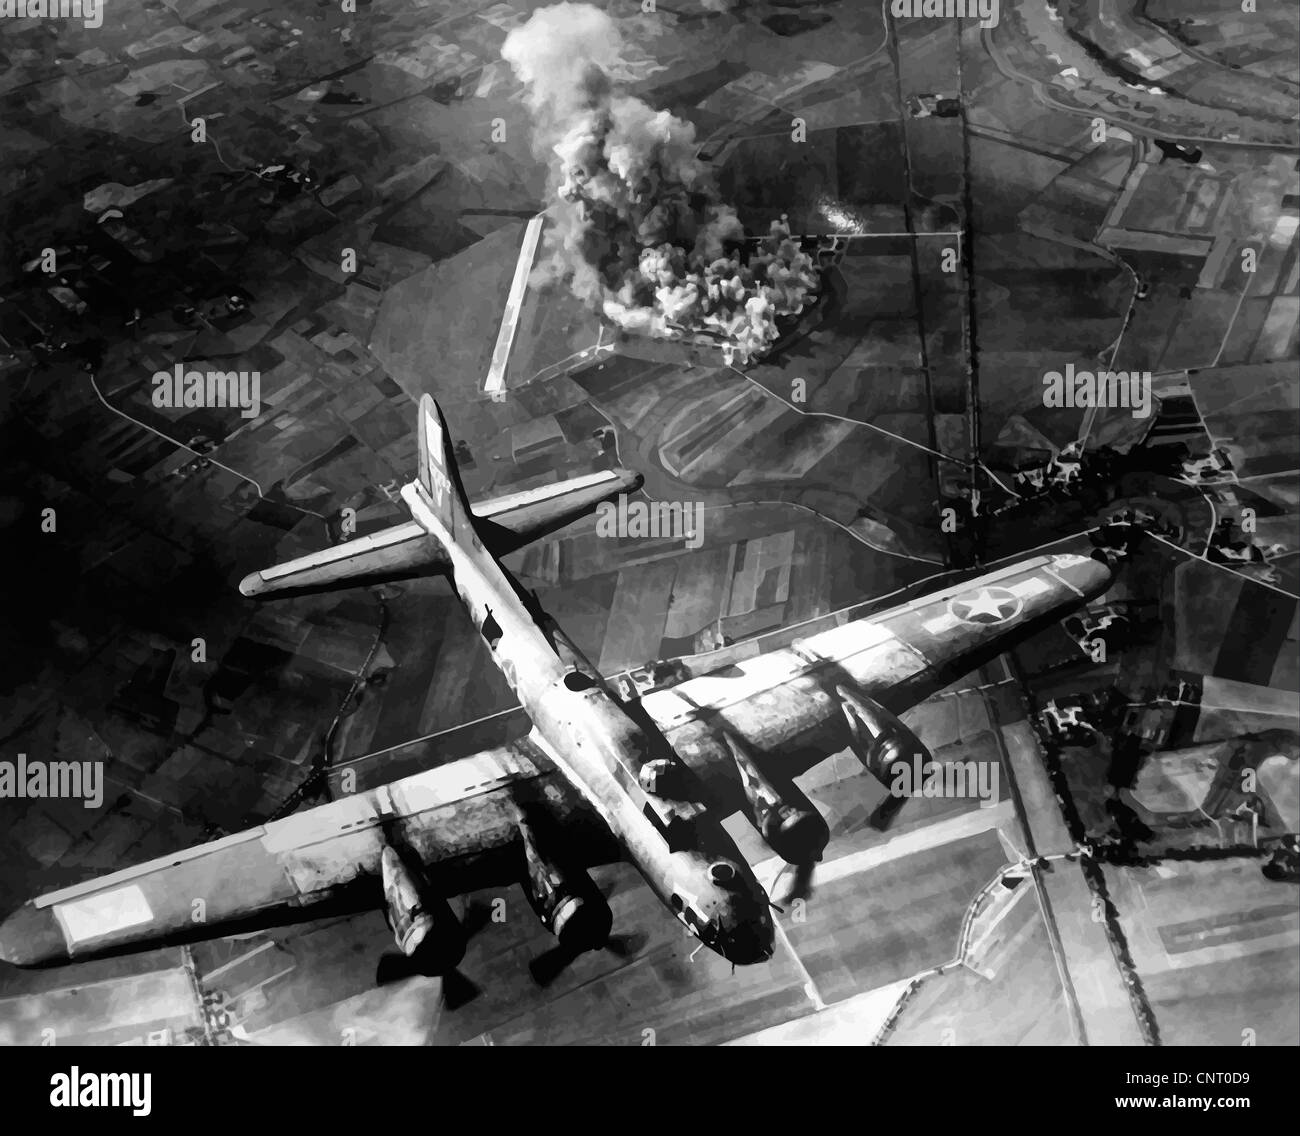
(680, 849)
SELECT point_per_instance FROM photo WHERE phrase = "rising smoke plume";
(639, 231)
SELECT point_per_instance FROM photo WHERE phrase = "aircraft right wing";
(459, 820)
(790, 708)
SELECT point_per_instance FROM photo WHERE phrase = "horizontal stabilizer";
(507, 524)
(405, 551)
(399, 552)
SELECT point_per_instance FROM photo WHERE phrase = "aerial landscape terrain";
(891, 252)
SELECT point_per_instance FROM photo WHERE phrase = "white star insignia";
(989, 602)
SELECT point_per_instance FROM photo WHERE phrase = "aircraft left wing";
(460, 820)
(789, 709)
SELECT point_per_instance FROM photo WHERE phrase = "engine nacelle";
(785, 818)
(423, 923)
(564, 897)
(881, 741)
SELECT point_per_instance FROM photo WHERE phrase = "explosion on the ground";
(638, 230)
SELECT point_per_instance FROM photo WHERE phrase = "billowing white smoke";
(639, 232)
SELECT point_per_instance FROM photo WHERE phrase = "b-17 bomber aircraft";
(602, 776)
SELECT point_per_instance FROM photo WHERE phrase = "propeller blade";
(886, 812)
(475, 917)
(549, 965)
(801, 883)
(457, 990)
(394, 967)
(625, 945)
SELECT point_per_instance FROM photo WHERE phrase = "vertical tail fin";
(439, 475)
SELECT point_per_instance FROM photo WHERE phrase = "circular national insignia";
(986, 606)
